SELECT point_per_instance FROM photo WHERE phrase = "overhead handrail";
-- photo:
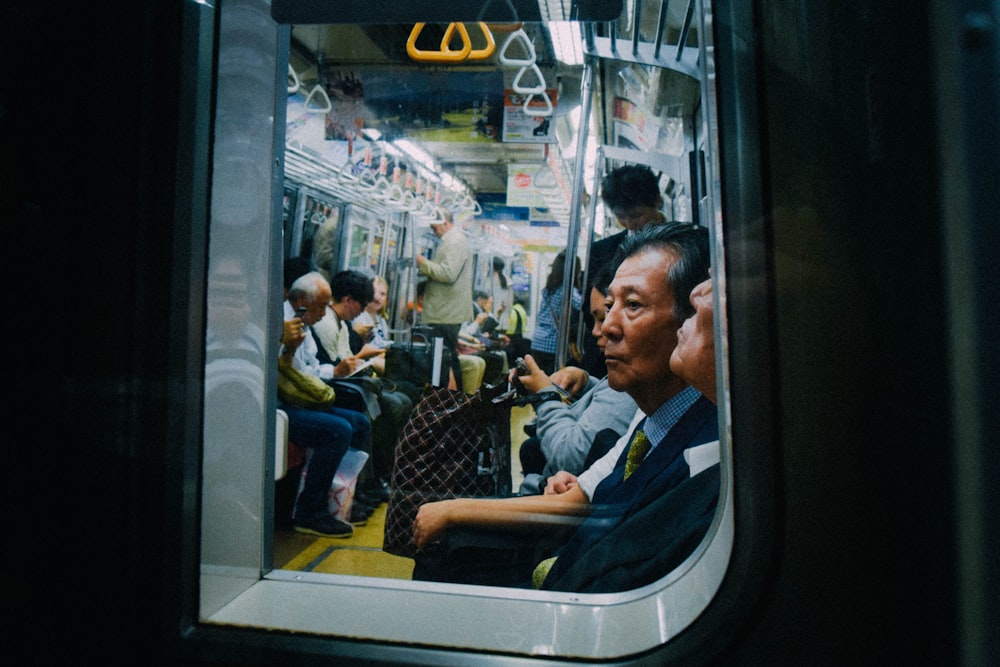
(517, 37)
(318, 91)
(445, 55)
(474, 54)
(294, 82)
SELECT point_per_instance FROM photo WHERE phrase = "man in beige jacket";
(448, 293)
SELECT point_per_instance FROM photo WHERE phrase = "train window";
(380, 125)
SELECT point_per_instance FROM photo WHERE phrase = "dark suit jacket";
(617, 500)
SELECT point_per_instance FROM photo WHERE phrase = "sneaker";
(324, 526)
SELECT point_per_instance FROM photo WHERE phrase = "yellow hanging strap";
(445, 55)
(474, 54)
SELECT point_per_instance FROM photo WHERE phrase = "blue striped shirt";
(546, 331)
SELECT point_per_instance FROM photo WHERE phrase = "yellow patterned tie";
(637, 451)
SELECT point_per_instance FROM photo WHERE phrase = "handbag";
(452, 445)
(302, 390)
(416, 362)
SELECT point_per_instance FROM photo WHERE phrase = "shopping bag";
(341, 497)
(453, 445)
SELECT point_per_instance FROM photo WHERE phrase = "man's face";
(640, 328)
(694, 357)
(636, 217)
(439, 229)
(598, 309)
(316, 309)
(350, 308)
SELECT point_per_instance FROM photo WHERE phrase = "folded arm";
(527, 513)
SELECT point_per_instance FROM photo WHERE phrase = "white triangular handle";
(517, 36)
(318, 91)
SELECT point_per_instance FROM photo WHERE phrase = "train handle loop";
(321, 106)
(518, 36)
(444, 55)
(528, 90)
(474, 54)
(547, 111)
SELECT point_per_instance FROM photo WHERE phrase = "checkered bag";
(453, 445)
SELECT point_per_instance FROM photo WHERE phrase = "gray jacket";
(566, 431)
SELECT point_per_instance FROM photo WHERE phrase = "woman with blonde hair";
(372, 325)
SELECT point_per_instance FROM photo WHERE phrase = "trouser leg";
(361, 438)
(327, 438)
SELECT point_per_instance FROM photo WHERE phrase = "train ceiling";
(428, 103)
(423, 104)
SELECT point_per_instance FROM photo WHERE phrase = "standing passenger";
(448, 295)
(549, 314)
(502, 293)
(632, 194)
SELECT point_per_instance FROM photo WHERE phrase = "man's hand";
(571, 378)
(561, 482)
(293, 333)
(347, 366)
(430, 523)
(534, 381)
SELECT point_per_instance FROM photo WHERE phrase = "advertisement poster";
(521, 190)
(633, 127)
(527, 128)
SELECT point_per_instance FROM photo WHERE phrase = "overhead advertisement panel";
(527, 117)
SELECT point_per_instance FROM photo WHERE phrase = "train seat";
(473, 371)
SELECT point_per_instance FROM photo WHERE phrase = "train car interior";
(511, 126)
(171, 168)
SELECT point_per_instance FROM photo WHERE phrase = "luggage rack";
(631, 47)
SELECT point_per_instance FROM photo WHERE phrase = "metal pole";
(576, 204)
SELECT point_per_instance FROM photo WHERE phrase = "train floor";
(361, 554)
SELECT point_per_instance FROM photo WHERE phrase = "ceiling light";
(567, 42)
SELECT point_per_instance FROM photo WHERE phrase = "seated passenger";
(327, 433)
(351, 292)
(673, 524)
(480, 337)
(647, 301)
(565, 433)
(372, 326)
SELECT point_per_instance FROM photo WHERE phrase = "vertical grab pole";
(576, 203)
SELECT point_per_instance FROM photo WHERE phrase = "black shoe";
(324, 526)
(376, 493)
(368, 498)
(359, 517)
